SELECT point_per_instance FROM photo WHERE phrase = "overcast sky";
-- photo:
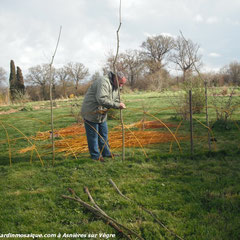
(29, 29)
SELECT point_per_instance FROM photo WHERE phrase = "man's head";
(121, 79)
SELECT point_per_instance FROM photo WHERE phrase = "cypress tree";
(12, 80)
(20, 82)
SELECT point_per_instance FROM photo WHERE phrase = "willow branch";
(84, 204)
(28, 139)
(97, 207)
(51, 100)
(9, 146)
(115, 72)
(117, 189)
(100, 214)
(93, 202)
(144, 209)
(111, 219)
(59, 35)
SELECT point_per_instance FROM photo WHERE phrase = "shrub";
(180, 99)
(224, 105)
(198, 99)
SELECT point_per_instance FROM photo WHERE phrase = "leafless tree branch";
(144, 209)
(100, 213)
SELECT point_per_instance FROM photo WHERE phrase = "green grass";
(196, 197)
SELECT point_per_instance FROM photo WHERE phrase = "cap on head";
(121, 78)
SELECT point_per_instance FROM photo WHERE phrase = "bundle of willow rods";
(73, 139)
(72, 130)
(78, 144)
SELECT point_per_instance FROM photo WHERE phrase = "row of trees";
(150, 67)
(157, 55)
(147, 68)
(65, 79)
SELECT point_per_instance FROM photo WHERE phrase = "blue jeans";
(97, 138)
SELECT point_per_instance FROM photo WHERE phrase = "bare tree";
(95, 76)
(132, 65)
(39, 76)
(155, 50)
(185, 55)
(129, 62)
(77, 71)
(64, 80)
(232, 73)
(108, 66)
(158, 80)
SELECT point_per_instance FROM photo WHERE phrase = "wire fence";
(168, 135)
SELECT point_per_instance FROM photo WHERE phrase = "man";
(101, 96)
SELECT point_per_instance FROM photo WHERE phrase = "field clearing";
(194, 197)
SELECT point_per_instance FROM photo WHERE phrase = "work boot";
(101, 159)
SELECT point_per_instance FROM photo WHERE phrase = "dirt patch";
(9, 111)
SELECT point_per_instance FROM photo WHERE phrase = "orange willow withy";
(137, 140)
(78, 143)
(170, 149)
(208, 128)
(167, 129)
(132, 139)
(27, 140)
(9, 146)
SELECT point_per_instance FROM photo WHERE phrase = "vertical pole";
(144, 118)
(123, 135)
(207, 122)
(191, 122)
(114, 69)
(51, 98)
(52, 123)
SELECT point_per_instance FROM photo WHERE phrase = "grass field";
(194, 197)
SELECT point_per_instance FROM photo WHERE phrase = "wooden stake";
(115, 72)
(207, 122)
(191, 121)
(51, 99)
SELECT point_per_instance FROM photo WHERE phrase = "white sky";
(29, 29)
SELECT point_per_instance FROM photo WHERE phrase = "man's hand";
(122, 106)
